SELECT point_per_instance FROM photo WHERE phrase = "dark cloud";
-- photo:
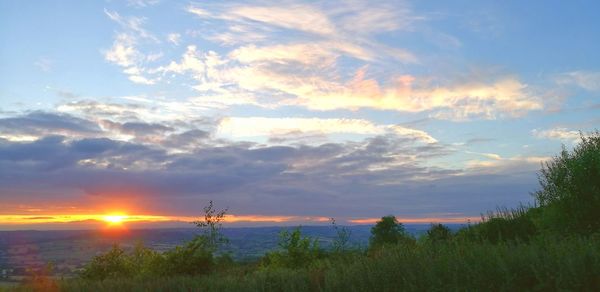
(138, 128)
(187, 140)
(43, 123)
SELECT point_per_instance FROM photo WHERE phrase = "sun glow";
(115, 219)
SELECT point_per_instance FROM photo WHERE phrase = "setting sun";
(115, 219)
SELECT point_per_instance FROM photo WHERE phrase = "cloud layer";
(107, 161)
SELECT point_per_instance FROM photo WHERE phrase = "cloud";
(38, 124)
(260, 126)
(324, 25)
(558, 133)
(301, 54)
(243, 127)
(44, 64)
(142, 3)
(170, 170)
(506, 96)
(124, 51)
(304, 74)
(584, 79)
(141, 80)
(174, 38)
(131, 24)
(499, 164)
(272, 70)
(363, 18)
(297, 17)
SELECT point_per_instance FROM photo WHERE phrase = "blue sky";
(350, 109)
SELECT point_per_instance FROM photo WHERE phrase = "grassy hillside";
(552, 246)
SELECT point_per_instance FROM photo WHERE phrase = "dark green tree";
(388, 231)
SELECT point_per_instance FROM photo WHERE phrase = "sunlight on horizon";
(115, 219)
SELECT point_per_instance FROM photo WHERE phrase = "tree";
(439, 233)
(570, 188)
(342, 238)
(197, 256)
(388, 231)
(211, 227)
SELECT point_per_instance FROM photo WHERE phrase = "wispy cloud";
(44, 64)
(585, 79)
(174, 38)
(124, 51)
(558, 133)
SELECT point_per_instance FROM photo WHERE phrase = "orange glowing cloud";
(122, 218)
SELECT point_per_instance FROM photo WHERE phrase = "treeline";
(553, 245)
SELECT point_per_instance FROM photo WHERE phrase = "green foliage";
(296, 250)
(439, 233)
(116, 263)
(112, 264)
(503, 225)
(194, 258)
(570, 188)
(388, 231)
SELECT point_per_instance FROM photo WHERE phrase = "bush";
(296, 251)
(438, 233)
(194, 258)
(116, 263)
(570, 188)
(503, 225)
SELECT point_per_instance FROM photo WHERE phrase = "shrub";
(438, 233)
(112, 264)
(296, 251)
(194, 258)
(116, 263)
(570, 188)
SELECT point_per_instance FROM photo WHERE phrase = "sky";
(286, 112)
